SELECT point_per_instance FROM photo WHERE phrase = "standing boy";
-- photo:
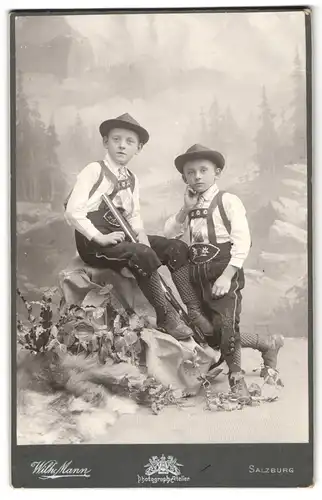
(100, 241)
(220, 242)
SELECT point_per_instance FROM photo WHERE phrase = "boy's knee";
(144, 260)
(177, 254)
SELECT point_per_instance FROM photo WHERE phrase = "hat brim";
(213, 156)
(108, 125)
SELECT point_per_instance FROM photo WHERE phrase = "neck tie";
(124, 196)
(198, 224)
(122, 174)
(200, 201)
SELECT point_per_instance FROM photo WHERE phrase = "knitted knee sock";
(152, 289)
(236, 356)
(254, 341)
(189, 296)
(181, 279)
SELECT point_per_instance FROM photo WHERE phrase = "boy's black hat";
(124, 121)
(197, 151)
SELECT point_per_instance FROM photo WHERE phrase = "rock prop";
(99, 349)
(78, 279)
(99, 346)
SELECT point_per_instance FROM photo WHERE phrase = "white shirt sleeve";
(135, 220)
(77, 206)
(240, 235)
(173, 229)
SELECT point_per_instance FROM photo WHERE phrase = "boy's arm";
(142, 237)
(241, 241)
(76, 210)
(176, 225)
(240, 234)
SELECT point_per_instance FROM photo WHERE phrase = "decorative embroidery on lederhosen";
(200, 251)
(202, 254)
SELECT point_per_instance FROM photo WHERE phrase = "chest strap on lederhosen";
(118, 185)
(201, 253)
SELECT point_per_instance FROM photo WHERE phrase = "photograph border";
(204, 465)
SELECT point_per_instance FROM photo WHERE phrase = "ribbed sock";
(181, 278)
(152, 289)
(255, 341)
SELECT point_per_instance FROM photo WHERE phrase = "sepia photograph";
(160, 222)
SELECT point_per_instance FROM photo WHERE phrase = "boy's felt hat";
(124, 121)
(197, 151)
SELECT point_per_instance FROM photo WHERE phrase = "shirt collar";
(210, 193)
(114, 167)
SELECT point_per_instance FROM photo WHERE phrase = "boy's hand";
(221, 286)
(106, 240)
(223, 283)
(142, 237)
(190, 198)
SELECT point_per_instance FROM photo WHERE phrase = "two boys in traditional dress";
(208, 273)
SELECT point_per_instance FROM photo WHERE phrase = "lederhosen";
(208, 262)
(139, 258)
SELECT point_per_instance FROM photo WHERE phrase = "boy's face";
(122, 145)
(200, 174)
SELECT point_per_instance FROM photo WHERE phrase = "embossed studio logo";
(162, 470)
(52, 470)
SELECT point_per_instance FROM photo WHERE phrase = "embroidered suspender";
(109, 175)
(210, 221)
(217, 201)
(118, 185)
(208, 214)
(201, 253)
(222, 212)
(198, 213)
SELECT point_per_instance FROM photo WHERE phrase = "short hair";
(123, 128)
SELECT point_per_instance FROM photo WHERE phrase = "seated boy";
(102, 244)
(220, 242)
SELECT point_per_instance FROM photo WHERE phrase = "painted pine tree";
(299, 111)
(23, 141)
(267, 141)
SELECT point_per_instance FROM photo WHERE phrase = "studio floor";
(284, 421)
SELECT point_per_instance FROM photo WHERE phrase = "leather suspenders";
(118, 185)
(217, 201)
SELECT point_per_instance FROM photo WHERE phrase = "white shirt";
(236, 214)
(79, 205)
